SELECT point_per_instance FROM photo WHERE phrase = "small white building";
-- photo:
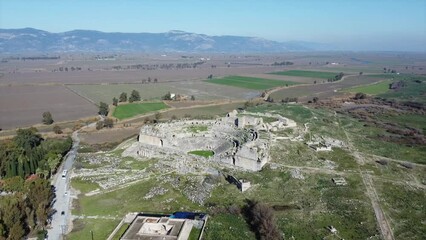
(244, 185)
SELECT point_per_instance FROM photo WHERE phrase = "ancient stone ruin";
(238, 140)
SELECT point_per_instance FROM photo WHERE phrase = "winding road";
(62, 202)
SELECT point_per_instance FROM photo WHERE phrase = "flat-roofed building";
(158, 228)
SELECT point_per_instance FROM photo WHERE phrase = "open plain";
(94, 79)
(23, 105)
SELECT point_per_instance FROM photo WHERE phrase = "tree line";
(26, 164)
(28, 153)
(336, 78)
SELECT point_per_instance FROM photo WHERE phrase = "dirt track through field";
(383, 223)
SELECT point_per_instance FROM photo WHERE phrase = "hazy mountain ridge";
(34, 40)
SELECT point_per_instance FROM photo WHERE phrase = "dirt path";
(383, 223)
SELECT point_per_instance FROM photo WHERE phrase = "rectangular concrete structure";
(158, 228)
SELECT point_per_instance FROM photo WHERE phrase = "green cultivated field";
(250, 82)
(372, 89)
(133, 109)
(310, 74)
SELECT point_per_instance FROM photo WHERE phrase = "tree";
(123, 97)
(360, 96)
(17, 231)
(109, 123)
(155, 80)
(115, 101)
(315, 82)
(103, 109)
(261, 218)
(27, 138)
(192, 98)
(210, 76)
(134, 96)
(360, 73)
(57, 129)
(168, 96)
(99, 125)
(47, 118)
(157, 116)
(315, 99)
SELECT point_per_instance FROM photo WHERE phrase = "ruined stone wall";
(243, 121)
(151, 140)
(248, 163)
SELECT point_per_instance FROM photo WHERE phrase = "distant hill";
(33, 40)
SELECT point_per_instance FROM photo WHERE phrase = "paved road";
(59, 223)
(62, 201)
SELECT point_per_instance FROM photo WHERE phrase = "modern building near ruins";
(235, 139)
(161, 228)
(176, 226)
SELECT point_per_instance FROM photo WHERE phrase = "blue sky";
(355, 25)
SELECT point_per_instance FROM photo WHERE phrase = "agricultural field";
(203, 112)
(324, 90)
(24, 105)
(114, 135)
(309, 74)
(201, 90)
(250, 82)
(300, 80)
(371, 89)
(133, 109)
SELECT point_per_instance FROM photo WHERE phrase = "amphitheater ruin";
(240, 140)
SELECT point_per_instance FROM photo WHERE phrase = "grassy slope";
(83, 186)
(133, 109)
(413, 91)
(406, 208)
(101, 228)
(250, 82)
(321, 203)
(310, 74)
(130, 199)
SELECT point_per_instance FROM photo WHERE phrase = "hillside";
(39, 41)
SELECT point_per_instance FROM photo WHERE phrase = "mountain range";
(30, 40)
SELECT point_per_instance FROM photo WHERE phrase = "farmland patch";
(133, 109)
(250, 82)
(310, 74)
